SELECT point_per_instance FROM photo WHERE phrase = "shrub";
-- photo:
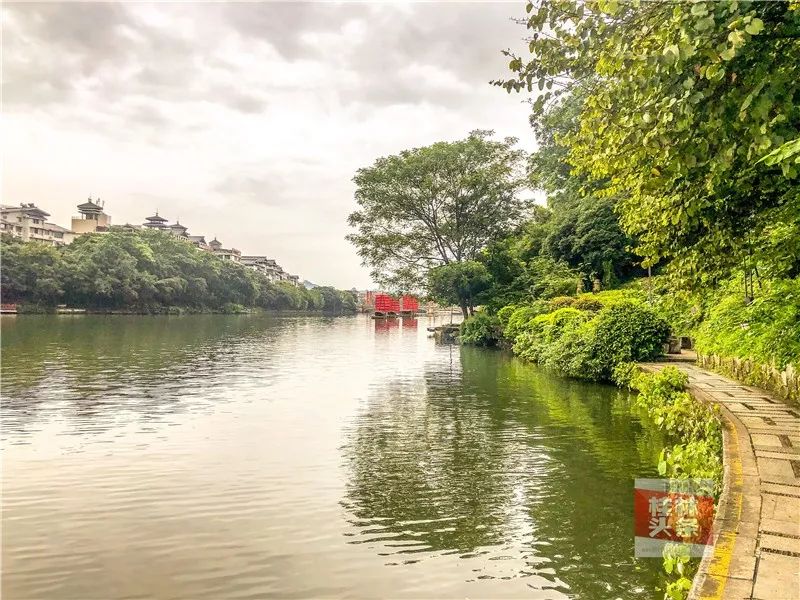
(543, 340)
(766, 330)
(572, 352)
(520, 319)
(693, 424)
(578, 344)
(504, 314)
(561, 302)
(628, 331)
(624, 374)
(481, 330)
(588, 303)
(611, 297)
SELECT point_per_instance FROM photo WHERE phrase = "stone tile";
(778, 542)
(780, 508)
(737, 589)
(783, 490)
(776, 526)
(778, 577)
(763, 439)
(791, 453)
(777, 455)
(771, 468)
(742, 567)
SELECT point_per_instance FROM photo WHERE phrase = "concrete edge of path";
(728, 569)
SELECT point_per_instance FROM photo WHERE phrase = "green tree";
(436, 205)
(145, 270)
(458, 283)
(683, 100)
(32, 272)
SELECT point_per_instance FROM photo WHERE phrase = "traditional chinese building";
(179, 230)
(224, 253)
(155, 222)
(199, 241)
(92, 219)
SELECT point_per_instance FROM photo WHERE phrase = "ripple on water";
(247, 456)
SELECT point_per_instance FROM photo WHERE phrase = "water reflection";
(496, 462)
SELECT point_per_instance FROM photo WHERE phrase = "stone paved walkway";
(757, 553)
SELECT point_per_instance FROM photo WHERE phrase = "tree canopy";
(147, 271)
(458, 283)
(690, 116)
(435, 205)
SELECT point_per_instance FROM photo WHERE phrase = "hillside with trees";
(147, 271)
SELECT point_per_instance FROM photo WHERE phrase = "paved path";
(757, 554)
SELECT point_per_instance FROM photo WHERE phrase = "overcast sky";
(246, 121)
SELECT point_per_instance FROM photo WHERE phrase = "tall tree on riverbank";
(683, 102)
(436, 205)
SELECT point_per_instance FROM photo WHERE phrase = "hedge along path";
(756, 555)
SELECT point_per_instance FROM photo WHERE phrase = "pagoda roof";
(90, 206)
(157, 218)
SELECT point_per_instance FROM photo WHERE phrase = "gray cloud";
(214, 110)
(54, 50)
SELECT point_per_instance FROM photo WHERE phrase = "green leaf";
(705, 23)
(755, 27)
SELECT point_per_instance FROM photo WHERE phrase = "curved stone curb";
(756, 555)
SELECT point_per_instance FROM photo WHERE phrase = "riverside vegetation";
(148, 272)
(669, 152)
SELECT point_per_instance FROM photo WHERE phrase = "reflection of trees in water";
(144, 363)
(499, 457)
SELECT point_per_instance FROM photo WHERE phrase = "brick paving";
(757, 554)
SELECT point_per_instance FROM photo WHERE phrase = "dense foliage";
(147, 271)
(481, 330)
(690, 116)
(694, 452)
(765, 330)
(584, 337)
(460, 283)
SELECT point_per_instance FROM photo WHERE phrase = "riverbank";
(173, 310)
(757, 527)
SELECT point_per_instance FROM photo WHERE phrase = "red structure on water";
(387, 304)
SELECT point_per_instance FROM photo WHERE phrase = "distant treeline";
(147, 271)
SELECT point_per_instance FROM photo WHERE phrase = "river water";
(251, 456)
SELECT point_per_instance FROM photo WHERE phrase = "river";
(222, 456)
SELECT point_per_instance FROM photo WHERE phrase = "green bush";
(625, 332)
(480, 329)
(693, 425)
(766, 330)
(521, 319)
(504, 314)
(558, 340)
(561, 302)
(588, 303)
(624, 374)
(580, 344)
